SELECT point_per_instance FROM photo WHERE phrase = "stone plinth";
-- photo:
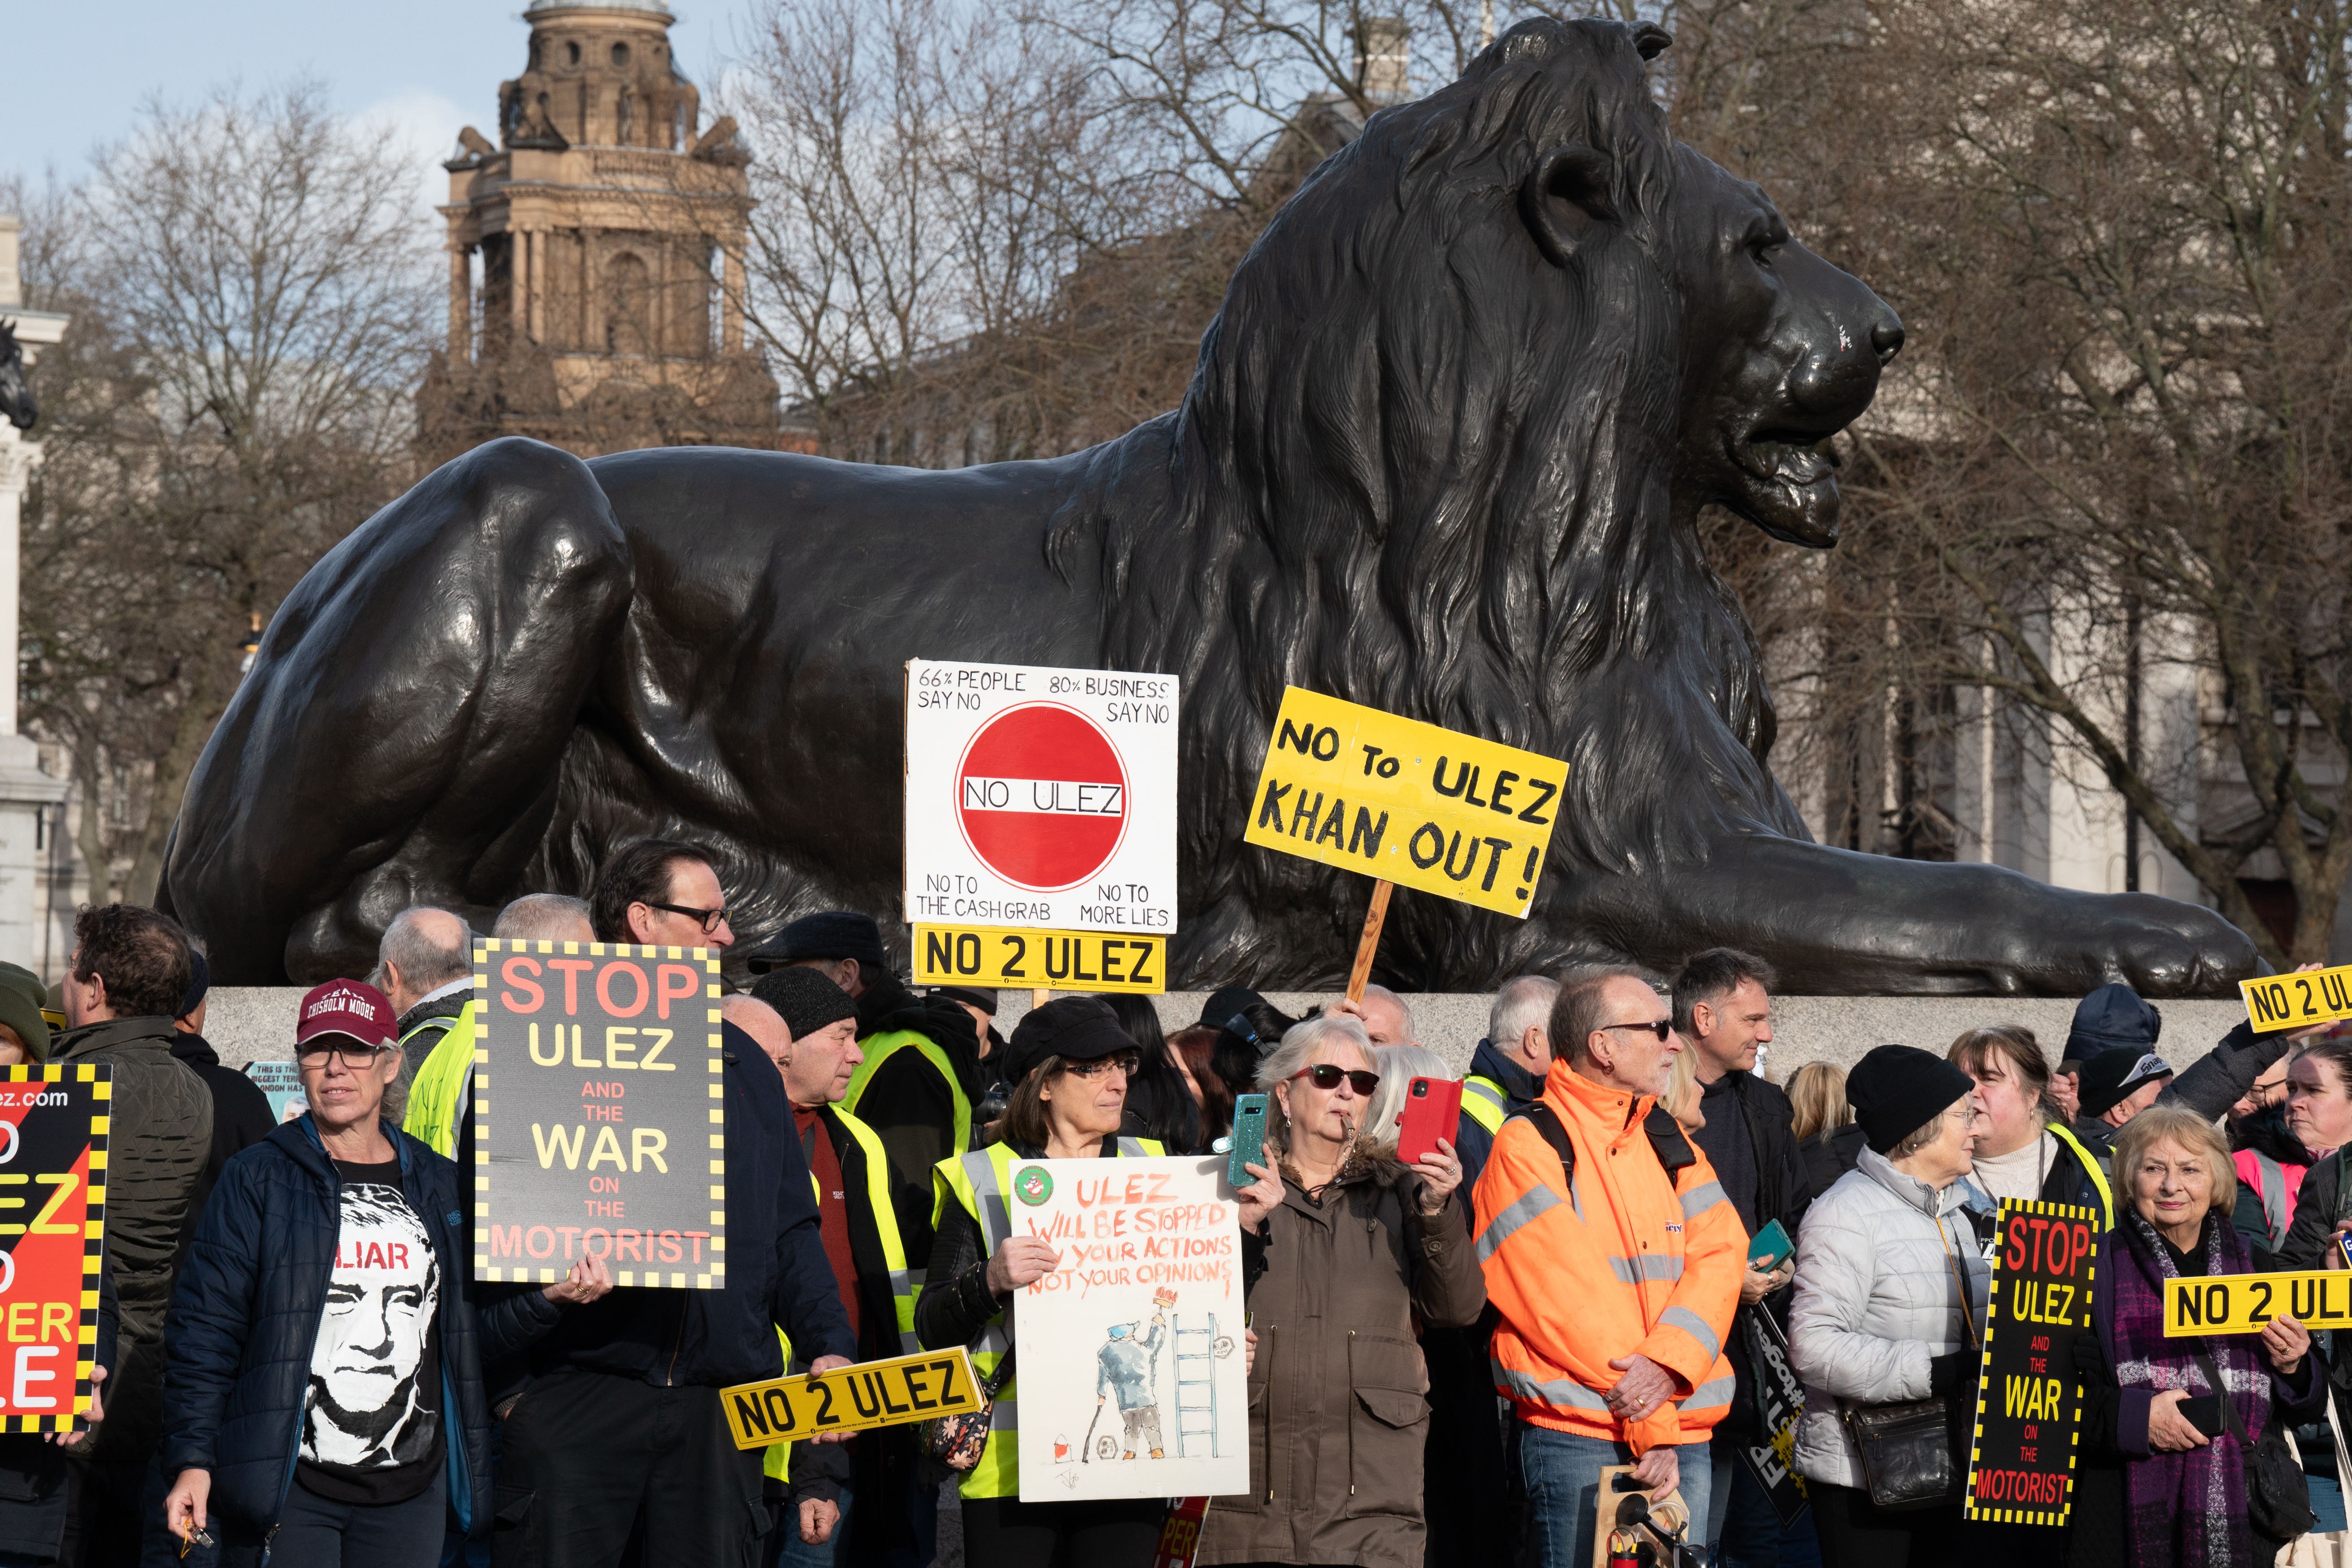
(246, 1023)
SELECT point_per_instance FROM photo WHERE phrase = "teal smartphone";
(1772, 1245)
(1249, 1139)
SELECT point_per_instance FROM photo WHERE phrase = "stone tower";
(595, 254)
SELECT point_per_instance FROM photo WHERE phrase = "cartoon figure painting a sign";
(1133, 1343)
(1130, 1360)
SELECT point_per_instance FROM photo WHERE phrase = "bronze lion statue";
(1444, 454)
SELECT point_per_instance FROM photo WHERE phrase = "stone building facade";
(596, 255)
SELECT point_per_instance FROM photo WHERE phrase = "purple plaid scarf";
(2188, 1510)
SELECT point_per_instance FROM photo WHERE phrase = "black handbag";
(1906, 1448)
(1906, 1452)
(2278, 1497)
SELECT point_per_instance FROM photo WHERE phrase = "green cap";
(22, 998)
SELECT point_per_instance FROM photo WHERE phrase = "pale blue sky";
(77, 71)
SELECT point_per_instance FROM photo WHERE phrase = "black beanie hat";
(200, 981)
(978, 996)
(836, 933)
(2112, 1077)
(1226, 1001)
(1897, 1089)
(2109, 1018)
(1075, 1028)
(805, 1000)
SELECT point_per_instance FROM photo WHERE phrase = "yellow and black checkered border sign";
(93, 1246)
(712, 1274)
(2050, 1517)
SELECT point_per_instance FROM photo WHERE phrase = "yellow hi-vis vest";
(1483, 1101)
(442, 1094)
(876, 1201)
(2091, 1165)
(979, 1182)
(880, 1048)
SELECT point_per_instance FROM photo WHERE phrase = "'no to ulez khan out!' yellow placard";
(1423, 807)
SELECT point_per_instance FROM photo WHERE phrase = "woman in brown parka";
(1358, 1246)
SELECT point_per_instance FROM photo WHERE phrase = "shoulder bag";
(2278, 1498)
(2333, 1549)
(958, 1441)
(1906, 1448)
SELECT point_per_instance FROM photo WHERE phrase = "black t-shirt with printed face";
(371, 1418)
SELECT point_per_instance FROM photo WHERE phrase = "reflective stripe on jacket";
(880, 1048)
(2275, 1185)
(870, 1211)
(2092, 1172)
(1618, 1262)
(978, 1182)
(443, 1093)
(1482, 1102)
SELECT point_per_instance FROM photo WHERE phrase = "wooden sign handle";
(1038, 998)
(1374, 918)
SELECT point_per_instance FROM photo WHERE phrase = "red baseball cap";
(350, 1008)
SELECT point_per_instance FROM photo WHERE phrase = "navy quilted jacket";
(246, 1313)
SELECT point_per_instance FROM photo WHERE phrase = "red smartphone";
(1433, 1110)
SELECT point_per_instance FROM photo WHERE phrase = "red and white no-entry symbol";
(1041, 794)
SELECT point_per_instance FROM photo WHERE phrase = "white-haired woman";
(1336, 1271)
(1383, 1113)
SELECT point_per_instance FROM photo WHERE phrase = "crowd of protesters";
(1447, 1360)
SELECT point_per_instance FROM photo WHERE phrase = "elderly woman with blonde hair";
(2169, 1423)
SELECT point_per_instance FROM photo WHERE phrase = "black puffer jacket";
(244, 1323)
(160, 1137)
(777, 1274)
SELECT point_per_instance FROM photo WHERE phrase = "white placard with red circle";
(1041, 797)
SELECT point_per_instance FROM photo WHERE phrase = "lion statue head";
(1444, 453)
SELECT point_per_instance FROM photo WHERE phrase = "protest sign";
(852, 1398)
(53, 1137)
(1040, 798)
(1132, 1377)
(1050, 960)
(282, 1082)
(1426, 808)
(2299, 1000)
(2245, 1303)
(1180, 1533)
(1779, 1400)
(2028, 1402)
(606, 1136)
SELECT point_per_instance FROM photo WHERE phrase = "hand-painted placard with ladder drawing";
(1132, 1372)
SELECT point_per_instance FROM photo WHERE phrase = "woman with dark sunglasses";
(1351, 1247)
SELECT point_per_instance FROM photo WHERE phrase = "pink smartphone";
(1433, 1110)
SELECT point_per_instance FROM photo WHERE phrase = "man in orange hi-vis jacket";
(1615, 1261)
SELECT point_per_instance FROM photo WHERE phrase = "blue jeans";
(1562, 1472)
(1744, 1529)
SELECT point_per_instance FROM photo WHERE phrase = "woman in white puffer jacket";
(1890, 1297)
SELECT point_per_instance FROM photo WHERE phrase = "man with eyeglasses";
(620, 1430)
(660, 892)
(1614, 1260)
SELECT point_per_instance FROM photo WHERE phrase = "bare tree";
(251, 308)
(2118, 462)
